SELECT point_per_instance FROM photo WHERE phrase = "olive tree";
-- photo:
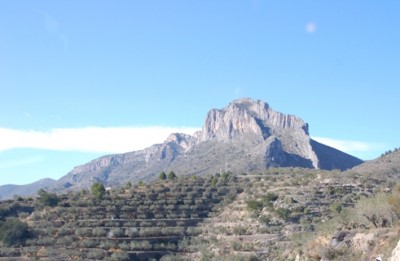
(98, 190)
(14, 232)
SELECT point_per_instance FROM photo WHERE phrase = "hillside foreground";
(277, 214)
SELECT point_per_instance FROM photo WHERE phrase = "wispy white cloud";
(311, 27)
(352, 146)
(124, 139)
(90, 139)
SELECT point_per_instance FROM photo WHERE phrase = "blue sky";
(80, 79)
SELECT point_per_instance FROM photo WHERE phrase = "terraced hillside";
(257, 216)
(281, 208)
(132, 223)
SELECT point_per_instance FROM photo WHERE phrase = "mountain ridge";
(247, 135)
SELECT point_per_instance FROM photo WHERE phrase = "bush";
(264, 219)
(120, 256)
(99, 232)
(271, 196)
(254, 205)
(336, 207)
(96, 254)
(376, 211)
(214, 181)
(253, 258)
(163, 176)
(88, 243)
(48, 199)
(283, 213)
(239, 231)
(98, 190)
(237, 246)
(171, 175)
(65, 241)
(14, 232)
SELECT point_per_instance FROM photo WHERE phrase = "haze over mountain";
(247, 135)
(8, 191)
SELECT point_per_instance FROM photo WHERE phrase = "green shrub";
(264, 219)
(336, 207)
(254, 205)
(96, 254)
(253, 258)
(214, 181)
(283, 213)
(163, 176)
(119, 256)
(237, 246)
(171, 175)
(239, 231)
(14, 232)
(48, 199)
(65, 241)
(271, 196)
(98, 190)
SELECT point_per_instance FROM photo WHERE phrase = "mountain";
(8, 191)
(247, 135)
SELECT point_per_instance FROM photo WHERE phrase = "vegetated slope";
(369, 229)
(388, 163)
(280, 211)
(131, 223)
(245, 136)
(218, 217)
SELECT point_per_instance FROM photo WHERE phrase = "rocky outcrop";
(184, 141)
(250, 116)
(247, 116)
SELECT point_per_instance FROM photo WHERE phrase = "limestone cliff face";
(247, 116)
(186, 142)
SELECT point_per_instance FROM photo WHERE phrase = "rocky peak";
(248, 116)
